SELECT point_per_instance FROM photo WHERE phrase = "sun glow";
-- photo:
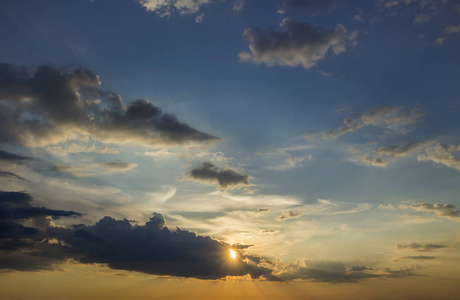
(232, 253)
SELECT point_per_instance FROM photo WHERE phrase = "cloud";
(238, 5)
(164, 8)
(289, 215)
(420, 247)
(208, 172)
(402, 151)
(418, 257)
(452, 29)
(8, 156)
(374, 161)
(95, 169)
(117, 166)
(389, 117)
(18, 206)
(301, 44)
(54, 105)
(439, 209)
(121, 244)
(78, 148)
(421, 19)
(9, 175)
(307, 7)
(261, 210)
(441, 154)
(326, 271)
(199, 18)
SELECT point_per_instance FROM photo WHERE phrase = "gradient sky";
(142, 140)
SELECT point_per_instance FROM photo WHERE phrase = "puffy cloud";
(53, 106)
(374, 161)
(441, 154)
(420, 247)
(390, 117)
(441, 210)
(307, 7)
(301, 44)
(402, 151)
(208, 172)
(165, 8)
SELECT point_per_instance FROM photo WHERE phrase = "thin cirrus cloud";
(389, 117)
(53, 106)
(301, 44)
(307, 7)
(225, 178)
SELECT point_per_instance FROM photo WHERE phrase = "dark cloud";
(421, 247)
(121, 244)
(208, 172)
(54, 105)
(419, 257)
(261, 210)
(289, 215)
(441, 210)
(307, 7)
(301, 44)
(9, 175)
(327, 271)
(18, 206)
(8, 156)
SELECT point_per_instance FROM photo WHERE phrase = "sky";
(222, 149)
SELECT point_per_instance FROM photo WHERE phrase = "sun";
(232, 253)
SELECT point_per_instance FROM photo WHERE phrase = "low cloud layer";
(392, 118)
(121, 244)
(55, 105)
(208, 172)
(300, 45)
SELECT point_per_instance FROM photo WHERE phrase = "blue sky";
(294, 131)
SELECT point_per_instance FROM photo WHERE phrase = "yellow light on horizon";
(232, 253)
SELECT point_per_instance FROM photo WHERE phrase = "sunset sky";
(230, 149)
